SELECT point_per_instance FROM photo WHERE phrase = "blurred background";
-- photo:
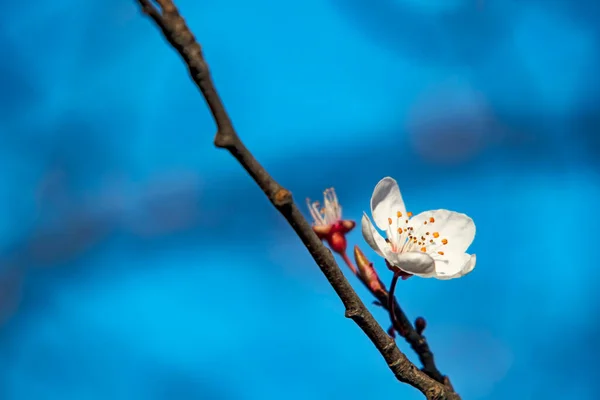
(139, 262)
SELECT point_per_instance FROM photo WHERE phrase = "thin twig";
(392, 300)
(174, 28)
(400, 321)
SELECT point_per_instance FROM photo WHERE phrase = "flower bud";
(337, 242)
(367, 272)
(392, 332)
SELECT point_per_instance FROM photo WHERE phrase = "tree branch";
(174, 28)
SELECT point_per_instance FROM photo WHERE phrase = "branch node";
(282, 197)
(352, 313)
(224, 139)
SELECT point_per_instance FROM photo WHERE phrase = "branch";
(174, 28)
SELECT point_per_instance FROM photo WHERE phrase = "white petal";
(450, 265)
(413, 262)
(386, 202)
(467, 265)
(458, 229)
(372, 237)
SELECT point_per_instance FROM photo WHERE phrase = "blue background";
(139, 262)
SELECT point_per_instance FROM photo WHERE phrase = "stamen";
(409, 214)
(389, 221)
(398, 214)
(444, 241)
(424, 249)
(436, 235)
(432, 220)
(400, 231)
(441, 253)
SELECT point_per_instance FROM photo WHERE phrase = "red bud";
(337, 242)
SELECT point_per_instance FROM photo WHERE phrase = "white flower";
(432, 244)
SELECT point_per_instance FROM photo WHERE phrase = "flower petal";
(458, 229)
(386, 201)
(413, 262)
(372, 236)
(467, 265)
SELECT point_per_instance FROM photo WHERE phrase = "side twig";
(174, 28)
(401, 323)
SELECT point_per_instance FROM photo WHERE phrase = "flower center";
(405, 234)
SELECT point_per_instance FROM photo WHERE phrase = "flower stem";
(349, 262)
(392, 300)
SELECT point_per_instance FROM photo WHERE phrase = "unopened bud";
(367, 272)
(420, 325)
(337, 242)
(392, 332)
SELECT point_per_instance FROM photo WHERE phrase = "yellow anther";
(444, 241)
(400, 230)
(423, 249)
(389, 221)
(425, 223)
(436, 235)
(432, 220)
(409, 214)
(441, 253)
(398, 214)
